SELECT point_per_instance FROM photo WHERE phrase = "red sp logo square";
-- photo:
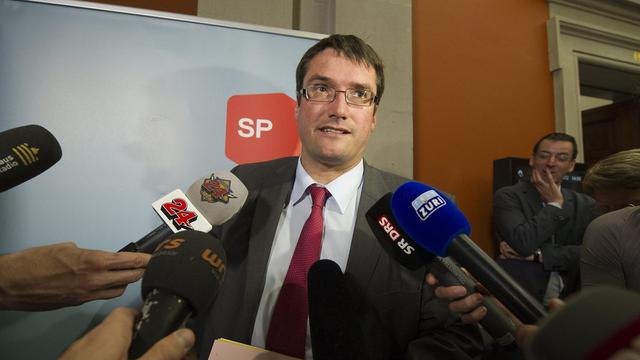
(261, 127)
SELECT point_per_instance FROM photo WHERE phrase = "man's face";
(554, 157)
(335, 134)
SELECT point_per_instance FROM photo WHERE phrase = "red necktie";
(288, 327)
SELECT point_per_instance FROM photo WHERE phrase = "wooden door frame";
(590, 32)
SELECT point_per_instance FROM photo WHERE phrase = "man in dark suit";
(339, 82)
(541, 224)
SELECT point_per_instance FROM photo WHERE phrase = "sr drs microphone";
(181, 280)
(26, 152)
(335, 331)
(407, 252)
(211, 200)
(439, 227)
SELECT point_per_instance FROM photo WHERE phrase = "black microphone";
(211, 200)
(439, 227)
(26, 152)
(335, 334)
(180, 281)
(407, 252)
(592, 325)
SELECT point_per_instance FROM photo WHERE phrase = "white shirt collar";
(341, 188)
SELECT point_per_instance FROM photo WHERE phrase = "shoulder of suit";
(580, 196)
(394, 180)
(520, 186)
(265, 170)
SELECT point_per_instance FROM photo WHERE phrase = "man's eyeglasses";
(324, 93)
(545, 155)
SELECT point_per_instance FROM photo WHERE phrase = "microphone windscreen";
(190, 264)
(428, 216)
(392, 238)
(26, 152)
(592, 325)
(335, 333)
(218, 196)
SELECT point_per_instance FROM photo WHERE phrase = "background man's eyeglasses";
(544, 155)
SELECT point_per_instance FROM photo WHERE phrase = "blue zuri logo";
(427, 203)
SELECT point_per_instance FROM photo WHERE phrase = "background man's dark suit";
(405, 307)
(526, 225)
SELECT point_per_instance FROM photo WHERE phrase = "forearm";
(10, 281)
(4, 283)
(560, 258)
(526, 235)
(522, 221)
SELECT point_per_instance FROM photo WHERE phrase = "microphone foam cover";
(190, 264)
(392, 238)
(428, 216)
(26, 152)
(335, 334)
(591, 319)
(218, 196)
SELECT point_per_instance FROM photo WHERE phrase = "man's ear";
(373, 123)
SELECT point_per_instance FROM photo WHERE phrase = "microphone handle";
(496, 321)
(148, 243)
(161, 314)
(496, 280)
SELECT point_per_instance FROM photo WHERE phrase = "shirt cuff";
(556, 204)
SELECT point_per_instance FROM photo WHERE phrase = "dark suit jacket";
(526, 225)
(400, 313)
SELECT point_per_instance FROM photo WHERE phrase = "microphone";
(439, 227)
(407, 252)
(211, 200)
(603, 320)
(26, 152)
(335, 334)
(180, 281)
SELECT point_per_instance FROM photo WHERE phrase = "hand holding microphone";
(181, 281)
(440, 228)
(111, 339)
(58, 275)
(410, 254)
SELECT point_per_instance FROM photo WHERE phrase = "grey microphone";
(217, 197)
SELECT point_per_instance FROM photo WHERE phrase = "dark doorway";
(614, 125)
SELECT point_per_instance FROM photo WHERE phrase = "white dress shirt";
(339, 221)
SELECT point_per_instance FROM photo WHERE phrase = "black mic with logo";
(26, 152)
(410, 254)
(335, 333)
(181, 280)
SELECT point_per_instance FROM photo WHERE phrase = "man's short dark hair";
(349, 46)
(556, 136)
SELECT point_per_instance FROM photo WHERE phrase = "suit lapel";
(364, 253)
(271, 199)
